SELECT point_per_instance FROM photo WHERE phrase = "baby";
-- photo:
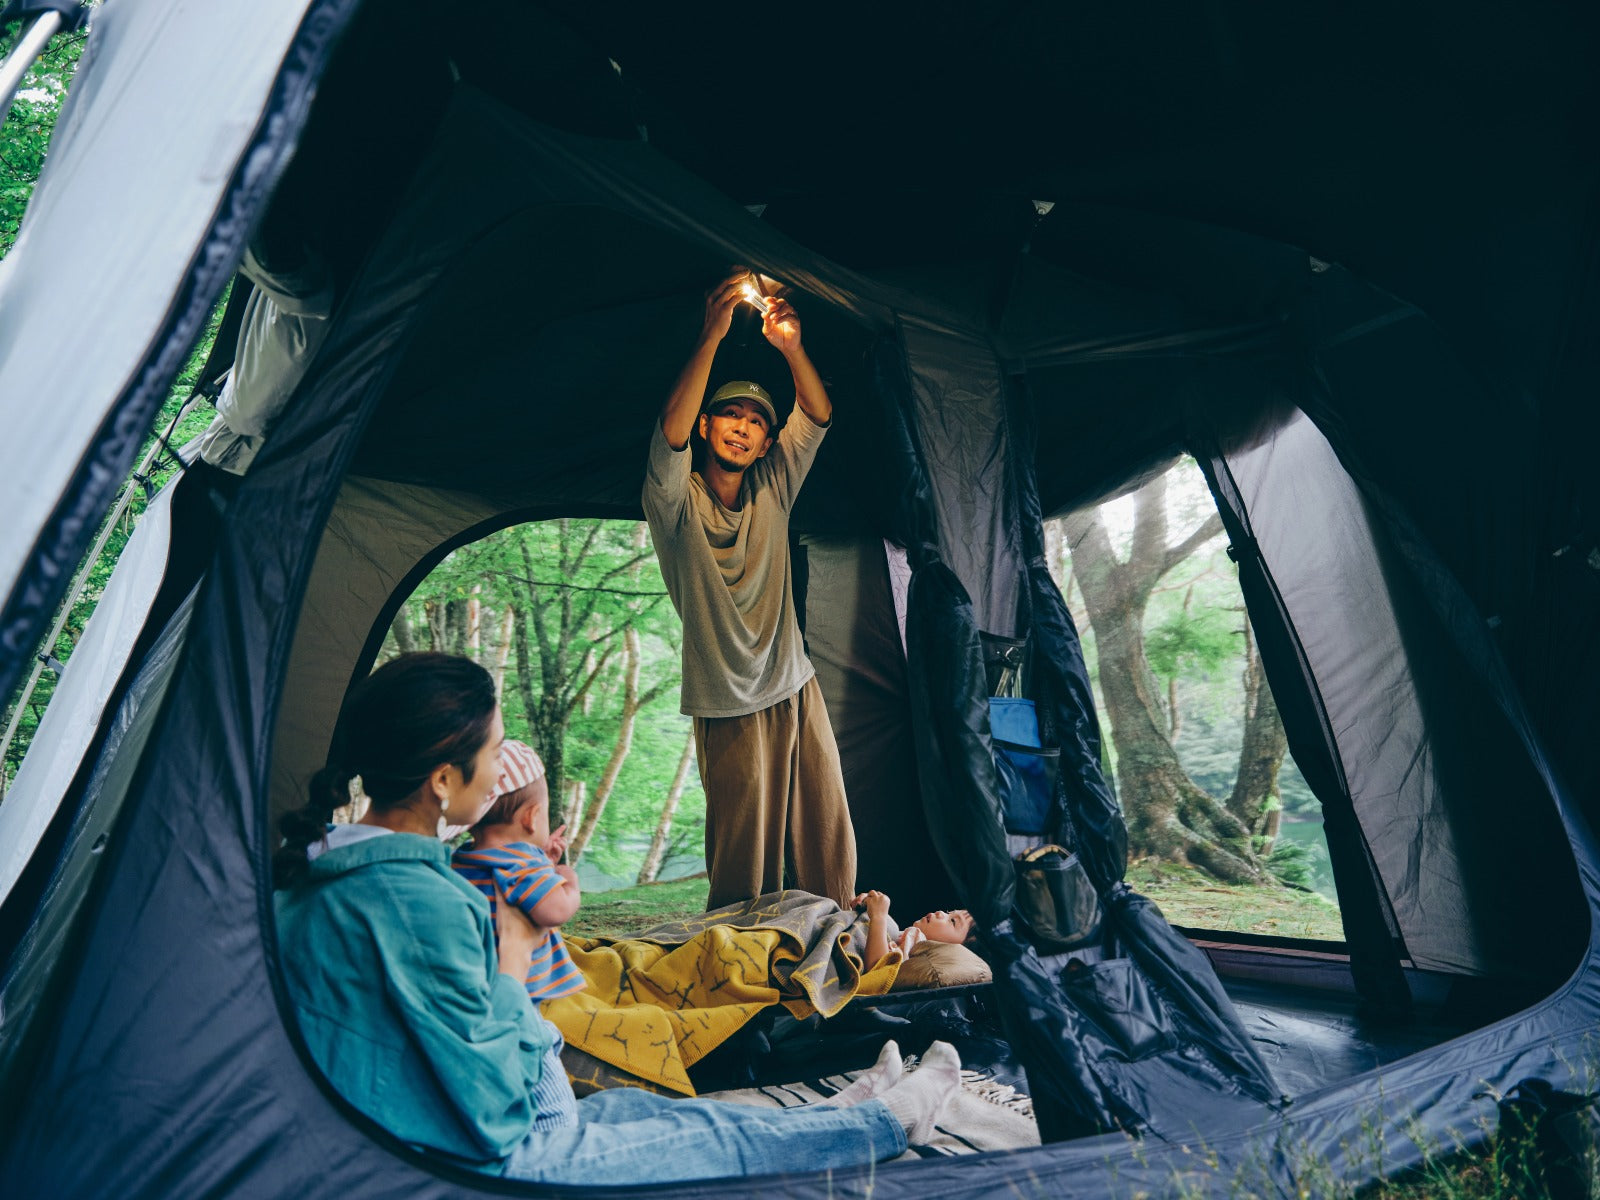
(883, 935)
(513, 845)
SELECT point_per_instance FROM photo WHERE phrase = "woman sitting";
(421, 1021)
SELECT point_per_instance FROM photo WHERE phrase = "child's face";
(953, 927)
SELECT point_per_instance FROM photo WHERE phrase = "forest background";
(573, 619)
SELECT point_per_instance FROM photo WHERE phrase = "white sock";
(919, 1099)
(874, 1081)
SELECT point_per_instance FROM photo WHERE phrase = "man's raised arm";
(683, 405)
(780, 325)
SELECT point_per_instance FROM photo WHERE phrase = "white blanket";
(985, 1115)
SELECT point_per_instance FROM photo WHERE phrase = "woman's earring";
(444, 804)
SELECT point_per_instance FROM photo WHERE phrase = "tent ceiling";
(1402, 145)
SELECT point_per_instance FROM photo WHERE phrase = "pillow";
(940, 964)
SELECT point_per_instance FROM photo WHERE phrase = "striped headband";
(519, 766)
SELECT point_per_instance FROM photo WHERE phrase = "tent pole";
(28, 48)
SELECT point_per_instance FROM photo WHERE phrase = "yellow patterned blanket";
(658, 1002)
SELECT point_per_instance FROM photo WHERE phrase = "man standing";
(774, 792)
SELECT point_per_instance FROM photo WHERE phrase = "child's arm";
(557, 905)
(877, 906)
(547, 893)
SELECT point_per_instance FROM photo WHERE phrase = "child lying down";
(878, 955)
(883, 935)
(655, 1003)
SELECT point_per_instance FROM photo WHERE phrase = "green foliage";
(577, 584)
(634, 909)
(1292, 863)
(1192, 899)
(1193, 642)
(25, 137)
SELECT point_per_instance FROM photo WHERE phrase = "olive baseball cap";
(743, 389)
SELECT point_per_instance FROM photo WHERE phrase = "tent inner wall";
(1433, 775)
(375, 538)
(41, 964)
(852, 635)
(966, 449)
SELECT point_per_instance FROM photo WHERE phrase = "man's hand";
(720, 303)
(683, 404)
(556, 844)
(780, 325)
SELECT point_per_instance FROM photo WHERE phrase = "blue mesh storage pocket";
(1028, 779)
(1014, 720)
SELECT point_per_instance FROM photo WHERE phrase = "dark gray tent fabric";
(852, 636)
(38, 961)
(1162, 304)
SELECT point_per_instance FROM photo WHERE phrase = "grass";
(1194, 900)
(629, 910)
(1185, 896)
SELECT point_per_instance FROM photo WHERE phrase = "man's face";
(736, 434)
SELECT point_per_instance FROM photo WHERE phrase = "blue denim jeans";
(626, 1135)
(558, 1107)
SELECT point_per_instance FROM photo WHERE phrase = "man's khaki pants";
(775, 801)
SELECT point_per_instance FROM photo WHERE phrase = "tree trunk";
(405, 639)
(619, 751)
(575, 791)
(669, 808)
(588, 696)
(1169, 815)
(1174, 710)
(1256, 799)
(456, 626)
(474, 636)
(502, 650)
(436, 625)
(1054, 544)
(547, 725)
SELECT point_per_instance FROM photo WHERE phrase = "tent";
(1343, 258)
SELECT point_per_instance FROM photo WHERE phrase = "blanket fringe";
(985, 1087)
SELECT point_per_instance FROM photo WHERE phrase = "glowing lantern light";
(750, 293)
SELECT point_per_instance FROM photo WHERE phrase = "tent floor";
(1312, 1039)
